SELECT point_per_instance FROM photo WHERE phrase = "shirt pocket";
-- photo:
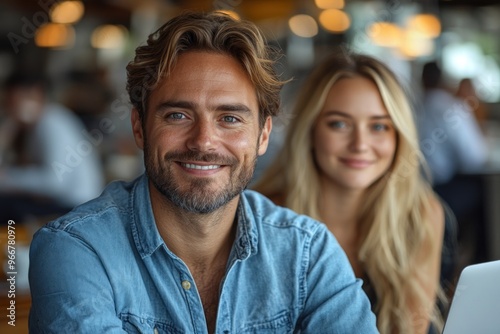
(279, 324)
(133, 324)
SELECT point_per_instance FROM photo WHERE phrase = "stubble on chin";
(200, 195)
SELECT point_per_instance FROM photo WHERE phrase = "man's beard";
(198, 197)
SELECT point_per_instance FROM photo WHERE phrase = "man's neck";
(202, 241)
(198, 239)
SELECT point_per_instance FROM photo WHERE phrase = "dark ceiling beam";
(468, 3)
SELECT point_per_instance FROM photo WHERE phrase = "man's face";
(201, 135)
(25, 104)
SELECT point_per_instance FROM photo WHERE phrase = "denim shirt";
(104, 268)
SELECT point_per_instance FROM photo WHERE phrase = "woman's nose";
(359, 140)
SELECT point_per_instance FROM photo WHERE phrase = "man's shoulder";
(110, 207)
(270, 214)
(58, 116)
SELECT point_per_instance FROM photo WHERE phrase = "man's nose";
(203, 136)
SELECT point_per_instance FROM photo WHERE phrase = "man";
(184, 248)
(456, 151)
(450, 137)
(47, 165)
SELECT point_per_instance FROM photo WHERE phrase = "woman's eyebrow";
(337, 113)
(346, 115)
(381, 117)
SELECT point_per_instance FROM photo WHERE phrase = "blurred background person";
(352, 160)
(455, 149)
(450, 137)
(467, 93)
(49, 161)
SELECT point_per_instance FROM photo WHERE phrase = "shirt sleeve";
(336, 302)
(69, 287)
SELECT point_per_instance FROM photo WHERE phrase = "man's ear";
(264, 136)
(135, 119)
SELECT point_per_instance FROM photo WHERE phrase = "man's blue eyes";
(227, 119)
(176, 116)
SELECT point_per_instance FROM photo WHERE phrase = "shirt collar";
(246, 235)
(147, 237)
(145, 233)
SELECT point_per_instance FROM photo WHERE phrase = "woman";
(352, 160)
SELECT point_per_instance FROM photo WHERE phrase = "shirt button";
(186, 285)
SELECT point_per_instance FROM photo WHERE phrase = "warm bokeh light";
(109, 36)
(334, 20)
(414, 45)
(55, 35)
(426, 24)
(303, 25)
(385, 34)
(67, 12)
(231, 13)
(328, 4)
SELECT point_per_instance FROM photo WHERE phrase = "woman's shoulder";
(436, 209)
(435, 212)
(434, 215)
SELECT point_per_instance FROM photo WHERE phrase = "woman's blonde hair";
(395, 222)
(211, 32)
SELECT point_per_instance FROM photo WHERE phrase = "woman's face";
(354, 139)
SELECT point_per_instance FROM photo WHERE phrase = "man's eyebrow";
(232, 107)
(175, 104)
(235, 107)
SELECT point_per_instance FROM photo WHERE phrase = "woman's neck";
(340, 207)
(340, 211)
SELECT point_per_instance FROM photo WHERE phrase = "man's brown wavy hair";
(211, 32)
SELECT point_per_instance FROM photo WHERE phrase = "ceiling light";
(55, 35)
(414, 44)
(328, 4)
(334, 20)
(426, 24)
(109, 36)
(303, 25)
(67, 12)
(385, 34)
